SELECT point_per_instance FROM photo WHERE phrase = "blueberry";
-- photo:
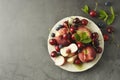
(60, 26)
(60, 46)
(101, 24)
(108, 3)
(79, 50)
(53, 35)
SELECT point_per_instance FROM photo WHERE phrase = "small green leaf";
(85, 9)
(103, 15)
(77, 37)
(111, 18)
(87, 40)
(83, 36)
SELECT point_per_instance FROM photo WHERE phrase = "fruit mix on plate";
(74, 43)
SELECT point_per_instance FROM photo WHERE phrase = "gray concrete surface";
(24, 28)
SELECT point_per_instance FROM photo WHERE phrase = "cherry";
(94, 35)
(98, 49)
(53, 54)
(95, 42)
(53, 41)
(57, 48)
(106, 37)
(110, 29)
(73, 37)
(77, 61)
(65, 36)
(76, 20)
(84, 22)
(93, 13)
(72, 29)
(80, 45)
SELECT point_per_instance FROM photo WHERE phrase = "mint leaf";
(103, 15)
(77, 37)
(85, 9)
(83, 36)
(111, 17)
(87, 40)
(110, 20)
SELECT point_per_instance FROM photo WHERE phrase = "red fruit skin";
(53, 41)
(106, 37)
(61, 41)
(73, 37)
(65, 36)
(110, 29)
(84, 22)
(99, 50)
(53, 54)
(57, 48)
(77, 61)
(63, 31)
(80, 45)
(72, 29)
(87, 54)
(93, 13)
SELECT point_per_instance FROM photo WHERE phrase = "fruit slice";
(71, 59)
(61, 41)
(60, 60)
(73, 47)
(87, 54)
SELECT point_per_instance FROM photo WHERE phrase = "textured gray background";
(24, 28)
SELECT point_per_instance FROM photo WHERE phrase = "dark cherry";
(73, 37)
(84, 22)
(77, 61)
(95, 42)
(93, 13)
(94, 35)
(76, 20)
(65, 36)
(57, 48)
(80, 45)
(53, 54)
(110, 29)
(72, 29)
(53, 41)
(98, 49)
(106, 37)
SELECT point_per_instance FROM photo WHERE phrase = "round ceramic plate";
(85, 66)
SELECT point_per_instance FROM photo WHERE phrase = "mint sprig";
(85, 9)
(111, 18)
(103, 15)
(82, 37)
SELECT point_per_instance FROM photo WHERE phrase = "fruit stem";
(96, 4)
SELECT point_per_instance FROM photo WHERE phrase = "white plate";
(71, 67)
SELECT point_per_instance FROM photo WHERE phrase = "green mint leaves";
(103, 15)
(111, 17)
(82, 37)
(85, 9)
(108, 18)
